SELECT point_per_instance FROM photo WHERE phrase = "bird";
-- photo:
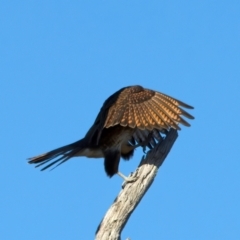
(131, 117)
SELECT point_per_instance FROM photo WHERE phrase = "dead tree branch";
(118, 214)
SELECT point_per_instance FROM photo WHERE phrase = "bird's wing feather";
(146, 109)
(137, 107)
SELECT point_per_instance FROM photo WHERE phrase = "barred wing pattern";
(141, 108)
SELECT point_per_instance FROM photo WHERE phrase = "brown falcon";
(131, 117)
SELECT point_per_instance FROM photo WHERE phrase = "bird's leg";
(127, 179)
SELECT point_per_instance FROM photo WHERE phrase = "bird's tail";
(59, 155)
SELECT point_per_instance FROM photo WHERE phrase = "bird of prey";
(131, 117)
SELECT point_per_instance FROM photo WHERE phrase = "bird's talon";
(128, 180)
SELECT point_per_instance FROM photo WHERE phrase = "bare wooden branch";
(118, 214)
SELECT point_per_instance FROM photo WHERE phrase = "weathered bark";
(118, 214)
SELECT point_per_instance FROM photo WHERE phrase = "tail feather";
(60, 155)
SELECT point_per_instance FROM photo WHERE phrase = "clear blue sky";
(59, 60)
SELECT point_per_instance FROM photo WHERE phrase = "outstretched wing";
(141, 108)
(137, 107)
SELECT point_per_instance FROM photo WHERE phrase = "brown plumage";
(130, 117)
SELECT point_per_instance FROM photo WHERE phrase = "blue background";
(59, 60)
